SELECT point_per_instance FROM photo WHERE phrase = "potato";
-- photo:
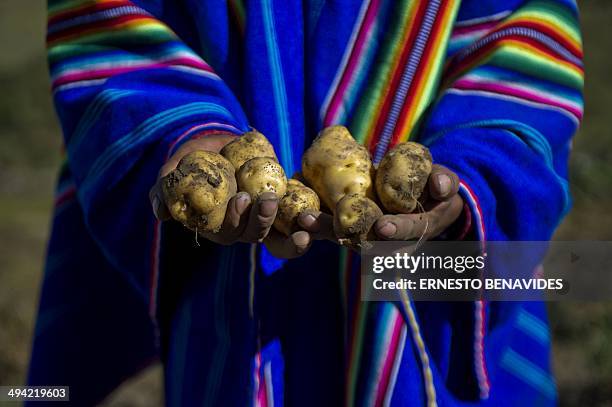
(198, 190)
(262, 174)
(250, 145)
(402, 176)
(341, 172)
(298, 199)
(336, 165)
(353, 220)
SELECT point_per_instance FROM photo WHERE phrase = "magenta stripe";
(467, 84)
(199, 131)
(262, 396)
(350, 70)
(256, 379)
(383, 383)
(103, 73)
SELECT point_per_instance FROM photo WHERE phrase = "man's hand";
(245, 221)
(442, 208)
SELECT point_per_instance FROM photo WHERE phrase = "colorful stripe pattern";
(82, 42)
(532, 57)
(484, 89)
(382, 91)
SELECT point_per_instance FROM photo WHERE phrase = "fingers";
(289, 247)
(320, 225)
(236, 214)
(402, 227)
(420, 225)
(443, 183)
(261, 218)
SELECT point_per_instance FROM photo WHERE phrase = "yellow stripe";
(387, 74)
(569, 31)
(530, 51)
(144, 24)
(430, 78)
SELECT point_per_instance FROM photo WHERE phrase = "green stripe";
(136, 36)
(374, 91)
(527, 64)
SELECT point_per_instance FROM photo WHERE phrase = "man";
(492, 87)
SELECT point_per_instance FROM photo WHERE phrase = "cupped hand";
(441, 209)
(245, 220)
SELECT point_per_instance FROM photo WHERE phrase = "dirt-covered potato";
(298, 199)
(250, 145)
(353, 220)
(262, 174)
(336, 165)
(402, 176)
(198, 190)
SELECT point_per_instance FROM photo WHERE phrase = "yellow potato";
(250, 145)
(198, 190)
(336, 165)
(262, 174)
(298, 199)
(402, 176)
(353, 220)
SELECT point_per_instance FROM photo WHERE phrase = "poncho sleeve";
(128, 92)
(511, 101)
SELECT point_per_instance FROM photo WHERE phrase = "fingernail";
(444, 184)
(242, 201)
(267, 207)
(387, 230)
(307, 220)
(268, 196)
(300, 239)
(156, 205)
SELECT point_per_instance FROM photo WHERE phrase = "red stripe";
(460, 84)
(456, 68)
(105, 73)
(544, 29)
(407, 47)
(418, 76)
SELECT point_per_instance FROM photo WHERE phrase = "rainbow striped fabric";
(493, 87)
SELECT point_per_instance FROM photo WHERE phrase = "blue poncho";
(493, 87)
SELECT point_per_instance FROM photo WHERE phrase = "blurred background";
(30, 154)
